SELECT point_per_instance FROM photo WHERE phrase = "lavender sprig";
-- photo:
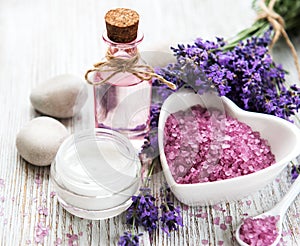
(150, 147)
(170, 215)
(143, 211)
(295, 171)
(129, 239)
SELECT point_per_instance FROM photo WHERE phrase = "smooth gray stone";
(39, 140)
(62, 96)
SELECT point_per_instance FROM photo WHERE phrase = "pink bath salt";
(72, 239)
(216, 221)
(52, 194)
(202, 215)
(206, 146)
(286, 233)
(41, 231)
(248, 202)
(223, 226)
(228, 219)
(38, 181)
(204, 242)
(259, 231)
(58, 241)
(217, 207)
(43, 211)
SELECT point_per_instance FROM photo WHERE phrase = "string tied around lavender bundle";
(277, 22)
(115, 65)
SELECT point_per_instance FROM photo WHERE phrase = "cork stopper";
(122, 25)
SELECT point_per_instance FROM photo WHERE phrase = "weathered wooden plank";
(40, 39)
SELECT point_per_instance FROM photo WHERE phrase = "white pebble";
(158, 55)
(62, 96)
(39, 140)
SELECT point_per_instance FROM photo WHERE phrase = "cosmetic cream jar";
(95, 173)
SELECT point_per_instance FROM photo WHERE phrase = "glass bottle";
(123, 102)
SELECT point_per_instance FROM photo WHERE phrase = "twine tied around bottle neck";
(277, 23)
(116, 65)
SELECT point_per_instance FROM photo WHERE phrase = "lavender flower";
(129, 239)
(245, 73)
(295, 171)
(170, 215)
(150, 146)
(143, 211)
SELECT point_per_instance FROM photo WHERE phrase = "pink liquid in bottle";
(123, 102)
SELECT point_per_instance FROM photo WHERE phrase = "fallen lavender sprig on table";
(170, 215)
(144, 213)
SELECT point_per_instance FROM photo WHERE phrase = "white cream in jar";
(95, 173)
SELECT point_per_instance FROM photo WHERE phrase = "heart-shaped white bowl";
(282, 136)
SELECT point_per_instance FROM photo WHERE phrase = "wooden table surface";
(40, 39)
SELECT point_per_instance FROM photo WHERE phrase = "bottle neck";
(123, 49)
(122, 52)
